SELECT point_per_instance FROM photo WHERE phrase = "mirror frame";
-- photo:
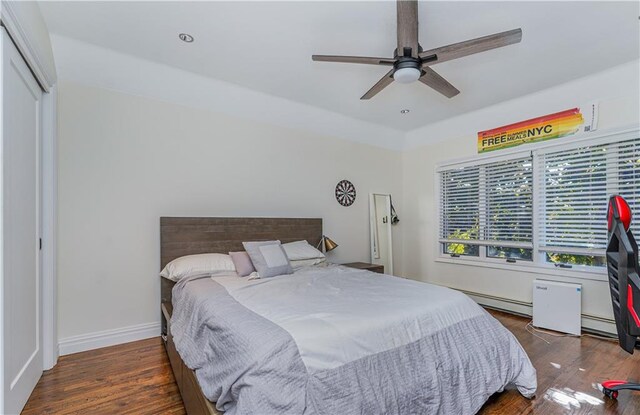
(372, 225)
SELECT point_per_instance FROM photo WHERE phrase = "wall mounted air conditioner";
(557, 306)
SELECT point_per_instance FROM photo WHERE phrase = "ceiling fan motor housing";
(407, 70)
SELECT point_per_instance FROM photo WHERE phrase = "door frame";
(49, 227)
(35, 60)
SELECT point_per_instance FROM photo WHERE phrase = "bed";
(325, 339)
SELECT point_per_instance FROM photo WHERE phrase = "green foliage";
(464, 249)
(588, 260)
(506, 252)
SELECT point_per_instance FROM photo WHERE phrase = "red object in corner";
(624, 212)
(612, 383)
(630, 305)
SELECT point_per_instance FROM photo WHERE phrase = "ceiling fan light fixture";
(406, 75)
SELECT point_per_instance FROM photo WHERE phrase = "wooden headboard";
(189, 236)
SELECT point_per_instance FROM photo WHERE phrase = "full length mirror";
(380, 225)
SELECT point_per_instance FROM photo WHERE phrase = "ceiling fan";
(410, 63)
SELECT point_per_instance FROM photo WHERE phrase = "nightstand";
(364, 265)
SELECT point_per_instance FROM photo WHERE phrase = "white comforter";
(350, 319)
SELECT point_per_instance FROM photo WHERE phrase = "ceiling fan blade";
(380, 85)
(353, 59)
(407, 11)
(432, 79)
(469, 47)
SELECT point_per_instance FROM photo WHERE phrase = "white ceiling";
(267, 46)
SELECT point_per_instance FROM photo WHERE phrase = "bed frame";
(181, 236)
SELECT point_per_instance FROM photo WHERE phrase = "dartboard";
(345, 193)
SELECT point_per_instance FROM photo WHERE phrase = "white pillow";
(299, 250)
(202, 264)
(301, 263)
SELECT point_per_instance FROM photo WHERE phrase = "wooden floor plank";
(136, 378)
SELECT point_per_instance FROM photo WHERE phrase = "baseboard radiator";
(590, 323)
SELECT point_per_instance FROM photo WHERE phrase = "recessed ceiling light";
(185, 37)
(405, 111)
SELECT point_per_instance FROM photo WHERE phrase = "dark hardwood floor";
(568, 370)
(132, 378)
(136, 378)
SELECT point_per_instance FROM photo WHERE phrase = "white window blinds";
(509, 205)
(460, 204)
(489, 204)
(548, 206)
(575, 188)
(574, 200)
(629, 179)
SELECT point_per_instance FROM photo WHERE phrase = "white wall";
(618, 93)
(124, 161)
(94, 65)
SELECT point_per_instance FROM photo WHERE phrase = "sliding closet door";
(21, 319)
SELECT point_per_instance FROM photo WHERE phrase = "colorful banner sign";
(543, 128)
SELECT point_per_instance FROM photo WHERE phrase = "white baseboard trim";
(589, 322)
(516, 307)
(96, 340)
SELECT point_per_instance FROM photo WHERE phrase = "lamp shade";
(328, 244)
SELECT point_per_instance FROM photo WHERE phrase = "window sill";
(579, 273)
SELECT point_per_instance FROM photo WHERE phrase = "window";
(545, 207)
(489, 205)
(509, 206)
(629, 177)
(461, 211)
(574, 205)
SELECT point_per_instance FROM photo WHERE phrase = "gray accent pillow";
(268, 258)
(242, 262)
